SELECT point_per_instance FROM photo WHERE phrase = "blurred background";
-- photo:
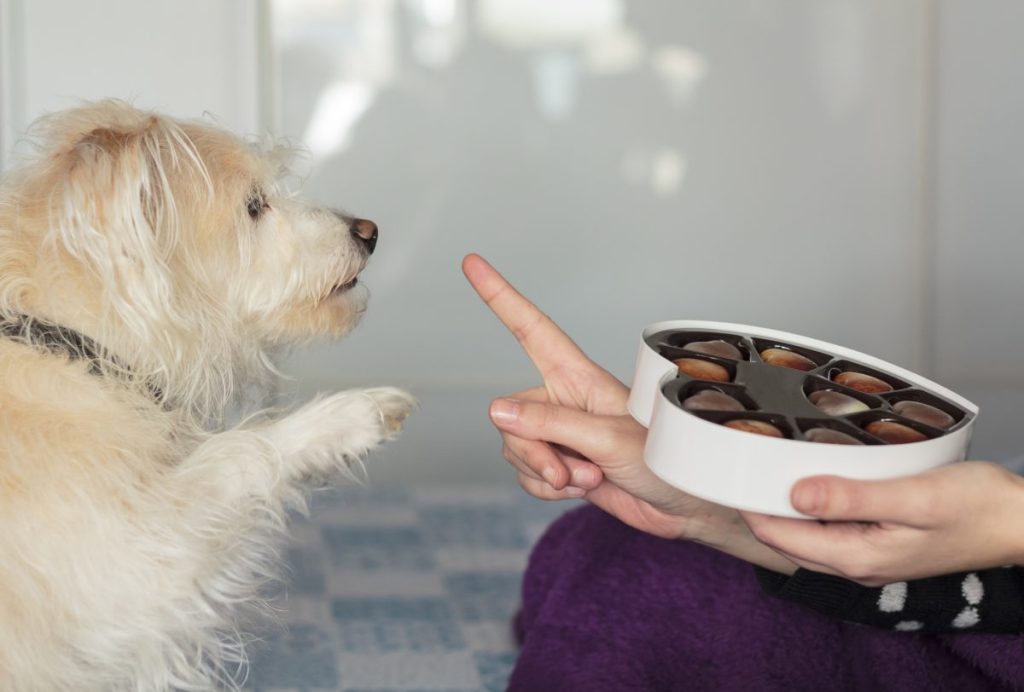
(849, 170)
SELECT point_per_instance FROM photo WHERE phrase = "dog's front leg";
(321, 440)
(229, 499)
(333, 433)
(233, 491)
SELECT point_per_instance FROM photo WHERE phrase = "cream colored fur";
(136, 536)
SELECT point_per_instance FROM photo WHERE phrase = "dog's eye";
(256, 205)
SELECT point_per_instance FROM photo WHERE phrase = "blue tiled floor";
(402, 588)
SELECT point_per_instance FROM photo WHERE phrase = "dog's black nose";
(366, 231)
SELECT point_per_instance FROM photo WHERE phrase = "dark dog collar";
(54, 338)
(63, 341)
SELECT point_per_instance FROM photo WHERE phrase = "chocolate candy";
(717, 347)
(924, 413)
(773, 401)
(758, 427)
(702, 369)
(712, 400)
(862, 383)
(787, 359)
(836, 403)
(831, 437)
(894, 433)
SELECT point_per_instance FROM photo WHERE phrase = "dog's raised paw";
(342, 426)
(395, 406)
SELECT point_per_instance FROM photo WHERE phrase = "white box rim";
(676, 436)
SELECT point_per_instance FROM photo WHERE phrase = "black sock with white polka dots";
(989, 600)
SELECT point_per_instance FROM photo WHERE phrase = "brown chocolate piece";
(894, 433)
(862, 383)
(832, 437)
(702, 369)
(836, 403)
(924, 413)
(787, 359)
(758, 427)
(717, 347)
(712, 400)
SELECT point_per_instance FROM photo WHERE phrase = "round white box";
(754, 472)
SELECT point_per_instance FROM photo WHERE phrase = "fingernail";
(549, 475)
(583, 477)
(809, 497)
(573, 491)
(505, 410)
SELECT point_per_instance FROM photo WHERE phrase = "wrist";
(1011, 521)
(714, 526)
(724, 530)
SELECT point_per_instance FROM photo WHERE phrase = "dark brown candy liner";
(850, 366)
(817, 384)
(863, 418)
(673, 353)
(920, 396)
(687, 389)
(722, 417)
(678, 340)
(818, 357)
(839, 425)
(778, 395)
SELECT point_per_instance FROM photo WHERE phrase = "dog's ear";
(115, 208)
(116, 153)
(117, 183)
(118, 186)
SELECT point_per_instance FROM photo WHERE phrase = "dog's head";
(173, 241)
(169, 213)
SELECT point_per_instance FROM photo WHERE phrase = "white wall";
(185, 57)
(841, 168)
(623, 163)
(978, 328)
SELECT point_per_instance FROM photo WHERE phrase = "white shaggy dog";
(148, 268)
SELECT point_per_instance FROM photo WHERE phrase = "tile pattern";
(399, 588)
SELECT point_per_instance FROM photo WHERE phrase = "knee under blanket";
(606, 607)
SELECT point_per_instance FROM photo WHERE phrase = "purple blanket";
(609, 608)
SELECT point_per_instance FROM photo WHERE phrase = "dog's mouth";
(342, 287)
(348, 279)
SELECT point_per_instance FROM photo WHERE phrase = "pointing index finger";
(545, 344)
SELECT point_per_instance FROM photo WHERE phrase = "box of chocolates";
(737, 414)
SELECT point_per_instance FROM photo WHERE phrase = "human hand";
(533, 428)
(959, 517)
(569, 379)
(575, 429)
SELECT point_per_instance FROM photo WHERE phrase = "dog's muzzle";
(366, 232)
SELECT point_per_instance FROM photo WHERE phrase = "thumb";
(596, 437)
(903, 500)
